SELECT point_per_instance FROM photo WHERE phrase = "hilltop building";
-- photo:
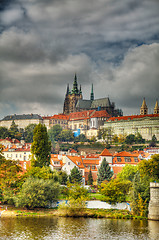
(74, 102)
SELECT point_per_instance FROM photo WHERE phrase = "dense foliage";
(41, 146)
(37, 193)
(128, 172)
(116, 190)
(90, 178)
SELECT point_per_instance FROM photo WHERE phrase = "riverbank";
(87, 213)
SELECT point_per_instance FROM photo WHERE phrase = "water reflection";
(77, 228)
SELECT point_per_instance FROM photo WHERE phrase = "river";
(77, 228)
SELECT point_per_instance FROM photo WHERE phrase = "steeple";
(143, 109)
(156, 108)
(75, 85)
(67, 91)
(92, 94)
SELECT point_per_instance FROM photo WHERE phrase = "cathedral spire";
(144, 108)
(67, 91)
(75, 85)
(92, 94)
(156, 108)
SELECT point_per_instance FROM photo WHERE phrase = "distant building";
(21, 121)
(74, 102)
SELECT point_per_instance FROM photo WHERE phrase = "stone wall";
(154, 202)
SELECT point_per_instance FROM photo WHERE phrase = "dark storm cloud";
(113, 44)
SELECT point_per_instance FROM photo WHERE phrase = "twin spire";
(144, 108)
(75, 89)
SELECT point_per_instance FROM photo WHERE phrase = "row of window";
(127, 159)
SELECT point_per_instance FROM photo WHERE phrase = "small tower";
(92, 94)
(156, 108)
(75, 86)
(143, 109)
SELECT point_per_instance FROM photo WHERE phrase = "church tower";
(143, 109)
(72, 97)
(156, 108)
(92, 94)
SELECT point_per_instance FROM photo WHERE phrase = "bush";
(37, 193)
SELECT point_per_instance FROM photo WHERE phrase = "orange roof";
(102, 113)
(73, 151)
(105, 153)
(80, 115)
(125, 118)
(60, 116)
(76, 160)
(92, 162)
(92, 156)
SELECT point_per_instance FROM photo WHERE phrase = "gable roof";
(106, 153)
(76, 160)
(102, 102)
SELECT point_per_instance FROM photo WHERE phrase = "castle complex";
(74, 102)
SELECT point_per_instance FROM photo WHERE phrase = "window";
(127, 159)
(68, 163)
(135, 159)
(119, 159)
(93, 167)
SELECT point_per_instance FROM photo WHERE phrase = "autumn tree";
(104, 172)
(40, 147)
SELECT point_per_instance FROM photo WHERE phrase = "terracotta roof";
(60, 116)
(76, 160)
(98, 114)
(80, 115)
(125, 118)
(73, 151)
(106, 153)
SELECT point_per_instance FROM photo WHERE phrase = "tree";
(11, 179)
(130, 139)
(104, 172)
(150, 167)
(116, 190)
(90, 177)
(28, 133)
(139, 139)
(75, 176)
(14, 132)
(128, 172)
(37, 193)
(4, 132)
(54, 133)
(153, 141)
(66, 136)
(41, 146)
(63, 177)
(80, 138)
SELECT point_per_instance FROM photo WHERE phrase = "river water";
(77, 228)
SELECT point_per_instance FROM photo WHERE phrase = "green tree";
(139, 139)
(54, 133)
(153, 141)
(116, 190)
(4, 132)
(40, 172)
(90, 177)
(14, 132)
(128, 172)
(75, 176)
(28, 133)
(66, 136)
(104, 172)
(130, 139)
(37, 193)
(81, 138)
(63, 177)
(40, 147)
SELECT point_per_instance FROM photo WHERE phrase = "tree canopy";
(41, 146)
(128, 172)
(54, 133)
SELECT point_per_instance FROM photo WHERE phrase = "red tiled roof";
(105, 153)
(76, 160)
(73, 151)
(60, 116)
(125, 118)
(80, 115)
(98, 114)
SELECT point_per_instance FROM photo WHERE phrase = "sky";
(110, 43)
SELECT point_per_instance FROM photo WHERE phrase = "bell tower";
(156, 108)
(144, 108)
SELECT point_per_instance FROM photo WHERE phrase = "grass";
(96, 196)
